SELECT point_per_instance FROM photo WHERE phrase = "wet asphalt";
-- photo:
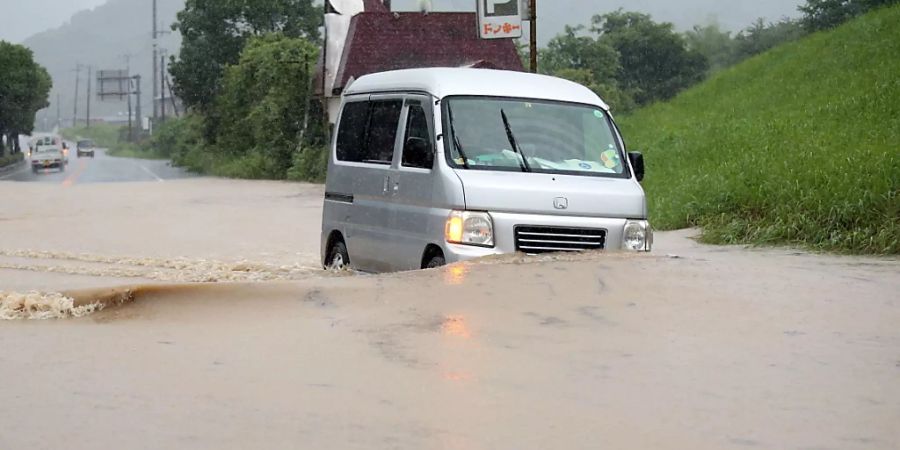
(102, 168)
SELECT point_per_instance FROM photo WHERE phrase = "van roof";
(445, 82)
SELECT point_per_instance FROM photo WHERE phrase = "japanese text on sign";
(499, 19)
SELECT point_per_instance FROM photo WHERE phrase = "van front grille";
(537, 239)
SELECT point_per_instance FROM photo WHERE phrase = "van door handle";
(387, 182)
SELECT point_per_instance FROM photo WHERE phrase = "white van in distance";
(435, 166)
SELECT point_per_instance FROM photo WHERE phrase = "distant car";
(47, 157)
(85, 147)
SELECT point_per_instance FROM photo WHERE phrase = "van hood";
(564, 195)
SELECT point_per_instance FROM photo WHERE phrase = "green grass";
(106, 136)
(9, 160)
(798, 146)
(111, 137)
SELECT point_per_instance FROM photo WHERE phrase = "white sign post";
(499, 19)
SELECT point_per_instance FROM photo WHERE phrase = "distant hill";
(798, 145)
(100, 37)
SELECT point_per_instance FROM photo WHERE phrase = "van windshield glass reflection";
(532, 136)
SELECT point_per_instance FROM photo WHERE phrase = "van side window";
(352, 133)
(418, 151)
(382, 134)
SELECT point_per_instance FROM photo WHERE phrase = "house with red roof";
(365, 36)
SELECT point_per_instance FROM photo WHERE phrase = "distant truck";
(47, 157)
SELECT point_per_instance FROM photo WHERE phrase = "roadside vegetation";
(8, 160)
(24, 86)
(248, 85)
(114, 139)
(795, 146)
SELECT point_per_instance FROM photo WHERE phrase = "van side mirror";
(637, 162)
(417, 153)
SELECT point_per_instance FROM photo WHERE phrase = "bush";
(310, 164)
(9, 160)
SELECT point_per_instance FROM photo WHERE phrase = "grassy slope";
(800, 145)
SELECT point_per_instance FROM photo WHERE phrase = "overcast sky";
(22, 18)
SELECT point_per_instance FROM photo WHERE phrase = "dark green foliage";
(626, 58)
(761, 37)
(24, 86)
(824, 14)
(310, 165)
(655, 62)
(584, 59)
(9, 160)
(265, 102)
(719, 48)
(264, 122)
(214, 34)
(796, 146)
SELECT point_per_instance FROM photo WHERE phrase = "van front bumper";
(505, 236)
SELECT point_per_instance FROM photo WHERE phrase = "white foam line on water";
(150, 172)
(41, 306)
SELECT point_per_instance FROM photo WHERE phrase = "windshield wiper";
(512, 141)
(456, 143)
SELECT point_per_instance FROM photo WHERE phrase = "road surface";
(100, 169)
(692, 347)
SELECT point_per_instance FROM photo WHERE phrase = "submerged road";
(100, 169)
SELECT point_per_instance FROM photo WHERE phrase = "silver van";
(435, 166)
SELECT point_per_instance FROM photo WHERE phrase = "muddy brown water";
(693, 347)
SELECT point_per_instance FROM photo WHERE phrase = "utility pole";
(137, 93)
(172, 97)
(77, 82)
(127, 57)
(155, 55)
(532, 6)
(58, 109)
(87, 121)
(162, 87)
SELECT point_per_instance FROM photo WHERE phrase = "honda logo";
(561, 203)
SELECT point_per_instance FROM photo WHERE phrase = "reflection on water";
(456, 274)
(456, 326)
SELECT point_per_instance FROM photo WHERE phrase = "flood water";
(206, 323)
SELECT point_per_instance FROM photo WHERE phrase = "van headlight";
(470, 228)
(638, 236)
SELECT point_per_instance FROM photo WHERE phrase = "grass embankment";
(110, 137)
(798, 146)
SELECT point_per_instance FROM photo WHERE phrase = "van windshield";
(531, 136)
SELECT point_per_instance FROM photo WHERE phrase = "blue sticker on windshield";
(598, 114)
(585, 166)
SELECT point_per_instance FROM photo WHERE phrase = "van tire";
(338, 257)
(435, 262)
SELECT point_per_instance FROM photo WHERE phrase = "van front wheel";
(338, 258)
(436, 261)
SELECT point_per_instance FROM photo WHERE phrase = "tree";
(265, 100)
(214, 33)
(24, 88)
(585, 60)
(824, 14)
(716, 45)
(761, 37)
(655, 61)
